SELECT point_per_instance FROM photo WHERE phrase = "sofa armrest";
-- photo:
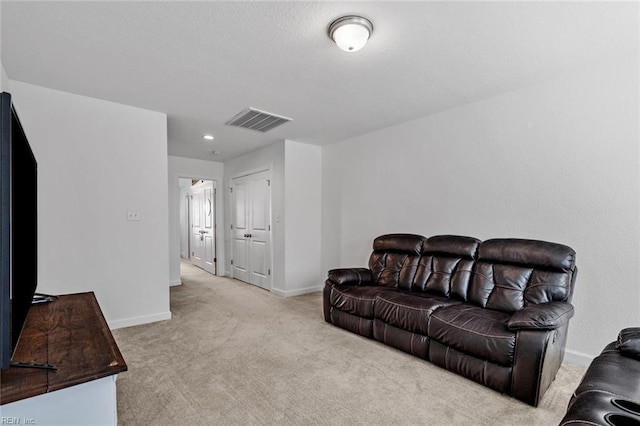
(629, 342)
(543, 316)
(352, 276)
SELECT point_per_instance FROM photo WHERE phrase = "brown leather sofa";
(496, 312)
(609, 393)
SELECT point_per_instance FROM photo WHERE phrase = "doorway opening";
(198, 223)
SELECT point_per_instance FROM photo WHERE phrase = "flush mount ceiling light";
(351, 32)
(208, 137)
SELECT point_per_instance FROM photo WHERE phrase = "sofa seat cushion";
(409, 311)
(356, 300)
(476, 331)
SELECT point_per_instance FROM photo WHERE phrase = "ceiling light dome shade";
(350, 33)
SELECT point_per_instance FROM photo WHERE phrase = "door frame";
(245, 173)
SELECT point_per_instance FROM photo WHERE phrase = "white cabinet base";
(87, 404)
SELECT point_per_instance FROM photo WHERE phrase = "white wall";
(302, 200)
(556, 162)
(180, 167)
(4, 80)
(96, 161)
(272, 158)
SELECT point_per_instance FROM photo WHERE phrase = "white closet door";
(240, 232)
(252, 229)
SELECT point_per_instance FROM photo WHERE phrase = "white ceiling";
(203, 62)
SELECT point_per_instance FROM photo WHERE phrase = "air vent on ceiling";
(255, 119)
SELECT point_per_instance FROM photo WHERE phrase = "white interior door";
(240, 241)
(251, 204)
(203, 235)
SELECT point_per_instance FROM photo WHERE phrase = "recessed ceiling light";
(208, 137)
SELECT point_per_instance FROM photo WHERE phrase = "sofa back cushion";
(445, 266)
(395, 258)
(509, 274)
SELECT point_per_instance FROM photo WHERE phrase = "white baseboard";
(296, 292)
(175, 283)
(144, 319)
(578, 358)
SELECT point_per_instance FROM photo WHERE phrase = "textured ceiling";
(204, 62)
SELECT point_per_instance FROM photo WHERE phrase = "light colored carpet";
(234, 354)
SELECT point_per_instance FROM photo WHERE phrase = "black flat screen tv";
(18, 228)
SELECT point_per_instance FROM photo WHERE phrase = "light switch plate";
(133, 215)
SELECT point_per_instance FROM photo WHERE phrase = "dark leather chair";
(609, 393)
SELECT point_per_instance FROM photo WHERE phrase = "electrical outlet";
(133, 215)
